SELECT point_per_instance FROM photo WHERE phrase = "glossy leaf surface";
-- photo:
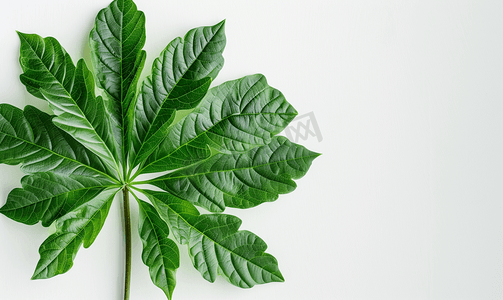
(235, 116)
(180, 78)
(80, 226)
(31, 139)
(48, 196)
(240, 180)
(116, 44)
(160, 253)
(49, 74)
(216, 246)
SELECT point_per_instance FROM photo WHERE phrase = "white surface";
(404, 203)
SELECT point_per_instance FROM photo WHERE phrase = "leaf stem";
(127, 233)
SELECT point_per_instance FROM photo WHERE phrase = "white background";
(404, 203)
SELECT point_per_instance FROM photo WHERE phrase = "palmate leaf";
(223, 153)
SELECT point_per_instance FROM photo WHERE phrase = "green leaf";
(240, 180)
(180, 78)
(48, 196)
(219, 145)
(49, 74)
(29, 138)
(160, 253)
(215, 244)
(116, 42)
(80, 226)
(235, 116)
(147, 136)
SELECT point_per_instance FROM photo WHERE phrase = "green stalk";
(127, 233)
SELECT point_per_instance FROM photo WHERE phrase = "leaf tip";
(2, 210)
(37, 276)
(278, 277)
(220, 25)
(20, 34)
